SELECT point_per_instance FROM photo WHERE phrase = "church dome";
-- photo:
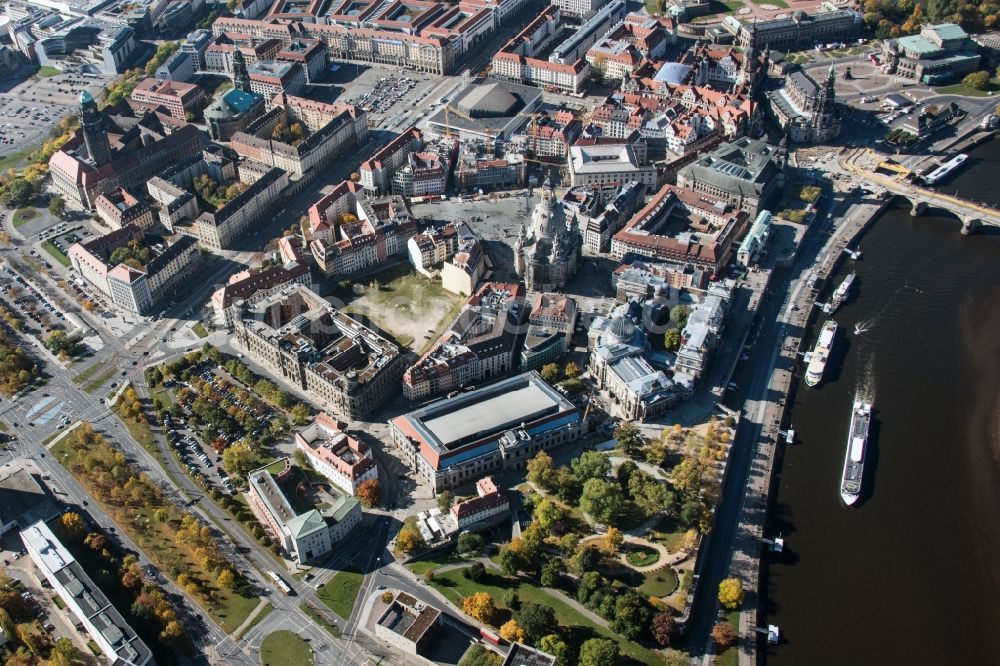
(622, 328)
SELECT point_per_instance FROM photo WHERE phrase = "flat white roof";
(52, 554)
(510, 407)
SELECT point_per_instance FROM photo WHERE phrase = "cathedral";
(548, 254)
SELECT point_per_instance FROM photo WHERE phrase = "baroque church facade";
(547, 255)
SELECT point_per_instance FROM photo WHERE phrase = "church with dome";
(547, 255)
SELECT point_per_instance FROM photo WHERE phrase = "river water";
(912, 573)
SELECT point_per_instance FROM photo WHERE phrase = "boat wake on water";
(863, 326)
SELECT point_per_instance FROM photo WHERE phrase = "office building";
(251, 286)
(745, 173)
(118, 208)
(550, 330)
(300, 338)
(346, 461)
(305, 517)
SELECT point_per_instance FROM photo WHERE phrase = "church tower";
(241, 79)
(94, 136)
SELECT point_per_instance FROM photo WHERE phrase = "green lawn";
(642, 556)
(264, 612)
(731, 657)
(658, 583)
(956, 89)
(14, 160)
(22, 215)
(199, 330)
(734, 5)
(422, 566)
(283, 648)
(56, 253)
(341, 592)
(776, 3)
(670, 534)
(456, 587)
(45, 71)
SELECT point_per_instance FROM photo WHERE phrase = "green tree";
(540, 470)
(679, 314)
(550, 373)
(551, 571)
(585, 559)
(57, 205)
(475, 572)
(301, 413)
(572, 370)
(977, 80)
(557, 647)
(238, 459)
(630, 438)
(445, 500)
(19, 192)
(536, 621)
(590, 583)
(548, 514)
(591, 465)
(511, 560)
(631, 615)
(574, 386)
(599, 652)
(470, 543)
(672, 340)
(602, 500)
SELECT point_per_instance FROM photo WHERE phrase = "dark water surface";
(911, 575)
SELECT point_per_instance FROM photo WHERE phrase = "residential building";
(487, 508)
(268, 78)
(118, 208)
(600, 228)
(580, 8)
(482, 343)
(746, 173)
(300, 338)
(549, 134)
(805, 110)
(128, 283)
(352, 232)
(407, 624)
(106, 627)
(683, 228)
(423, 174)
(219, 229)
(548, 254)
(220, 55)
(180, 66)
(177, 97)
(492, 429)
(518, 60)
(575, 47)
(550, 330)
(478, 171)
(251, 286)
(346, 461)
(377, 172)
(608, 164)
(310, 54)
(628, 44)
(432, 247)
(195, 45)
(306, 535)
(461, 274)
(939, 54)
(324, 132)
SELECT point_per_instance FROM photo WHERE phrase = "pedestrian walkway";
(264, 603)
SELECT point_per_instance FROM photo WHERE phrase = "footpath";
(795, 318)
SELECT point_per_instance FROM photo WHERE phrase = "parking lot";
(384, 93)
(30, 110)
(216, 414)
(28, 304)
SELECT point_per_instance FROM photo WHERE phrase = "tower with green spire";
(94, 135)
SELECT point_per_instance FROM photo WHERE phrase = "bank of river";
(913, 573)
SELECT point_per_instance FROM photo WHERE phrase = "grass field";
(420, 567)
(956, 89)
(776, 3)
(668, 533)
(45, 71)
(141, 432)
(341, 592)
(22, 215)
(578, 628)
(319, 619)
(199, 330)
(283, 648)
(642, 556)
(264, 612)
(659, 583)
(731, 656)
(56, 253)
(14, 160)
(408, 306)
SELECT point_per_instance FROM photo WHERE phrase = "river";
(912, 573)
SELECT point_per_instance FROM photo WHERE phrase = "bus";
(280, 582)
